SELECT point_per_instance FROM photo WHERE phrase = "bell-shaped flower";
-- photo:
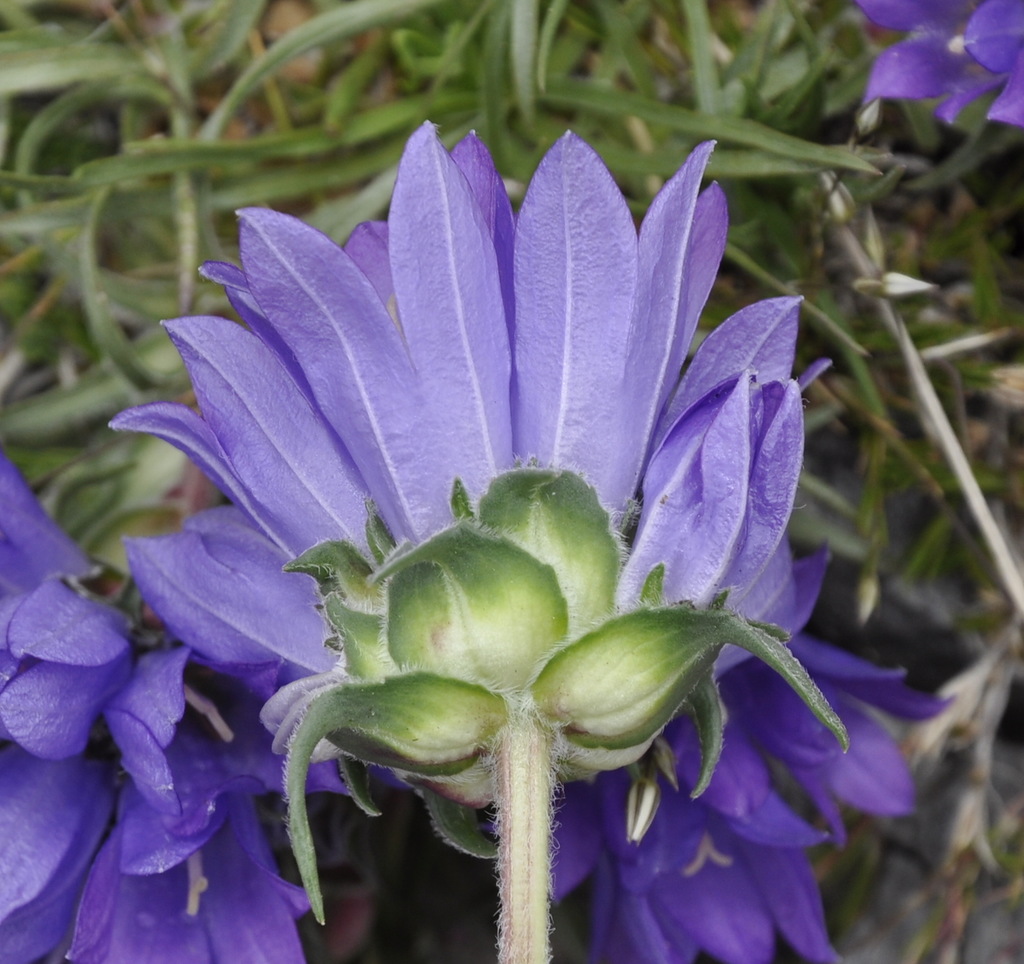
(80, 708)
(397, 406)
(223, 902)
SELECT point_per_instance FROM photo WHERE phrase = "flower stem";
(523, 799)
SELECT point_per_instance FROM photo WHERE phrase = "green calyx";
(508, 615)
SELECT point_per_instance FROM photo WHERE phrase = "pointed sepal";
(356, 777)
(378, 535)
(767, 643)
(704, 707)
(361, 637)
(462, 508)
(336, 566)
(459, 826)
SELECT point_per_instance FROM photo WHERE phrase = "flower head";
(957, 50)
(468, 426)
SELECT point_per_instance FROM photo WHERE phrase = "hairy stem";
(523, 800)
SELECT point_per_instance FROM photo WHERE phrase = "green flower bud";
(416, 723)
(473, 606)
(557, 518)
(611, 691)
(617, 686)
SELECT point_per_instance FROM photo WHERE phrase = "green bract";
(508, 615)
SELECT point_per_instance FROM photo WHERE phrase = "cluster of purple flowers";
(957, 50)
(454, 341)
(129, 830)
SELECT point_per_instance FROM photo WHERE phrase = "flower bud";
(418, 723)
(558, 519)
(473, 606)
(610, 692)
(617, 686)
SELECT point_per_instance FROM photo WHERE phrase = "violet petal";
(575, 278)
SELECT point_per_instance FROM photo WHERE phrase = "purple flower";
(497, 340)
(957, 50)
(67, 667)
(447, 346)
(53, 814)
(555, 336)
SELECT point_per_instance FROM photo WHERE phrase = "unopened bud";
(868, 117)
(472, 606)
(641, 807)
(892, 284)
(616, 687)
(558, 519)
(840, 203)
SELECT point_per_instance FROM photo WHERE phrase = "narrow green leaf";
(704, 707)
(524, 55)
(231, 23)
(327, 28)
(625, 53)
(69, 414)
(103, 327)
(40, 183)
(580, 95)
(459, 826)
(357, 778)
(701, 49)
(552, 18)
(62, 64)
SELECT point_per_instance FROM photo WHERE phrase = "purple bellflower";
(957, 50)
(77, 706)
(382, 395)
